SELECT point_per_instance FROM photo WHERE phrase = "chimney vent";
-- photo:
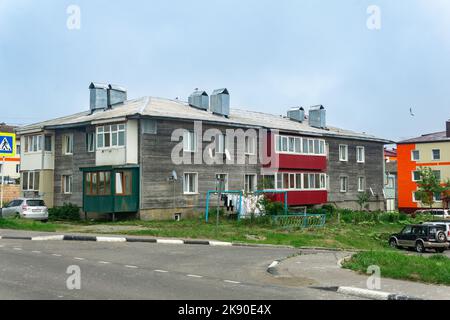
(116, 95)
(98, 96)
(317, 117)
(296, 114)
(199, 99)
(220, 102)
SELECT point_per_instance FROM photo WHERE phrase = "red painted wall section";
(405, 184)
(292, 161)
(302, 198)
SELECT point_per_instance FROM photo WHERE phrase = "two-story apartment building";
(429, 150)
(154, 157)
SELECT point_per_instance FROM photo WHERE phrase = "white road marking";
(131, 267)
(194, 276)
(230, 281)
(104, 262)
(161, 271)
(56, 255)
(81, 259)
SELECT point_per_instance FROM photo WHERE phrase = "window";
(17, 168)
(298, 182)
(18, 149)
(111, 136)
(123, 183)
(280, 181)
(189, 141)
(223, 179)
(415, 155)
(437, 196)
(30, 181)
(250, 183)
(149, 126)
(67, 184)
(33, 143)
(97, 183)
(250, 145)
(437, 174)
(297, 145)
(220, 143)
(68, 144)
(415, 196)
(292, 181)
(360, 155)
(323, 182)
(416, 176)
(436, 154)
(268, 182)
(90, 142)
(48, 143)
(391, 182)
(190, 182)
(343, 152)
(361, 184)
(343, 184)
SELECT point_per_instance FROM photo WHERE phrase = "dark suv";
(421, 237)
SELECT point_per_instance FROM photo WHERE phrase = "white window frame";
(28, 173)
(67, 184)
(412, 155)
(363, 154)
(34, 143)
(432, 155)
(283, 145)
(90, 145)
(186, 182)
(108, 130)
(346, 184)
(226, 179)
(414, 197)
(250, 145)
(255, 181)
(311, 181)
(413, 178)
(220, 143)
(361, 184)
(341, 158)
(67, 138)
(189, 142)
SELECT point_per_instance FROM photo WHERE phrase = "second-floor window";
(189, 141)
(436, 154)
(111, 136)
(415, 155)
(48, 143)
(250, 145)
(360, 155)
(68, 144)
(90, 142)
(33, 143)
(343, 152)
(297, 145)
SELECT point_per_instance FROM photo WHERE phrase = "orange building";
(430, 150)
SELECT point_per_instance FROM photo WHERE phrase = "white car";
(446, 224)
(438, 213)
(33, 209)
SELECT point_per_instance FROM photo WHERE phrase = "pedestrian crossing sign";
(7, 145)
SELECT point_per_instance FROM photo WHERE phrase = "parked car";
(445, 224)
(438, 213)
(421, 237)
(26, 208)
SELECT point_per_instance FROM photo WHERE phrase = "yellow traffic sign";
(7, 145)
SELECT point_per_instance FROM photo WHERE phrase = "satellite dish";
(174, 175)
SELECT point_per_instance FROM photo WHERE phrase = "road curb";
(368, 294)
(118, 239)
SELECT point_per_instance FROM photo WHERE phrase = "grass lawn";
(364, 236)
(397, 265)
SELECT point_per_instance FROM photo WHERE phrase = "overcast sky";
(271, 55)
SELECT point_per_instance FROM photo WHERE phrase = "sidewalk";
(321, 269)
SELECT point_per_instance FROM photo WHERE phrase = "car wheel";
(420, 248)
(393, 243)
(441, 237)
(440, 250)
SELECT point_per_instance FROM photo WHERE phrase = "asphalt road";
(37, 270)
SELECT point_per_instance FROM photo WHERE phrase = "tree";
(428, 186)
(363, 199)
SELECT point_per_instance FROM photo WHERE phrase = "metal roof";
(428, 138)
(175, 109)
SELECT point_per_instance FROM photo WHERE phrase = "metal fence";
(299, 221)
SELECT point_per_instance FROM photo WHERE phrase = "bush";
(68, 212)
(272, 208)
